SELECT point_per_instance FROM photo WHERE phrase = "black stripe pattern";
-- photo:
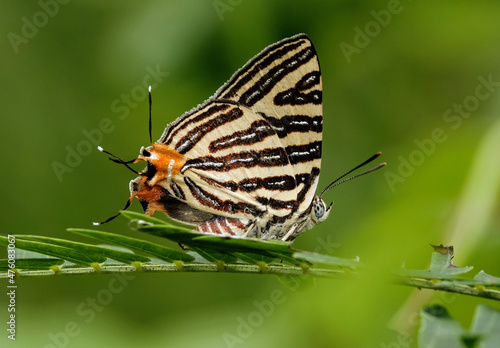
(257, 132)
(261, 129)
(304, 153)
(177, 191)
(207, 199)
(247, 159)
(267, 82)
(249, 74)
(296, 123)
(188, 141)
(250, 156)
(276, 203)
(172, 129)
(272, 183)
(297, 96)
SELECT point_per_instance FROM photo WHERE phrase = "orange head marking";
(150, 197)
(164, 163)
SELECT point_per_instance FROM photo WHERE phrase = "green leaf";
(423, 273)
(327, 260)
(174, 233)
(438, 329)
(486, 323)
(257, 246)
(76, 256)
(487, 279)
(215, 248)
(214, 255)
(441, 266)
(441, 259)
(254, 258)
(290, 259)
(249, 250)
(121, 256)
(31, 263)
(156, 250)
(132, 215)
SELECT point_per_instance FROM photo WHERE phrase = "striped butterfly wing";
(247, 161)
(283, 85)
(233, 162)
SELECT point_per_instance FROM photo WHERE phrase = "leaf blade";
(120, 256)
(156, 250)
(56, 251)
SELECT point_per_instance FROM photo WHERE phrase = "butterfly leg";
(289, 233)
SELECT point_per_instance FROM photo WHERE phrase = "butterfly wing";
(253, 150)
(234, 164)
(283, 84)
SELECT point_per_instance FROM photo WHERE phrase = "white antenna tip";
(100, 149)
(96, 223)
(149, 89)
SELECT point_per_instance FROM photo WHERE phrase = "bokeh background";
(399, 77)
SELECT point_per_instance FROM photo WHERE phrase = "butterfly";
(246, 162)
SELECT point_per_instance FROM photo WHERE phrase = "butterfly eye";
(319, 211)
(134, 186)
(145, 152)
(319, 208)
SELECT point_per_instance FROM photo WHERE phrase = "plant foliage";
(210, 253)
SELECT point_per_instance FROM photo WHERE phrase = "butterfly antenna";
(150, 118)
(337, 181)
(114, 216)
(118, 160)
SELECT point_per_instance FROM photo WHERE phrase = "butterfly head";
(162, 165)
(319, 211)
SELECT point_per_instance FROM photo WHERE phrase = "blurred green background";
(401, 78)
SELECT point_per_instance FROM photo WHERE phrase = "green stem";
(188, 267)
(278, 269)
(477, 291)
